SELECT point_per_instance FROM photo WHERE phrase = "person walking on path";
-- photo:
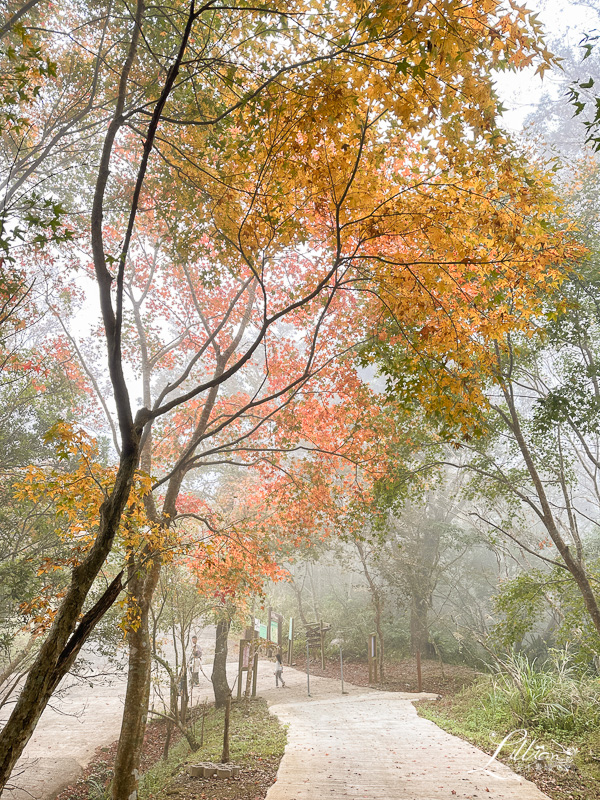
(278, 671)
(195, 662)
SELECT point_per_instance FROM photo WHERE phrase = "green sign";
(273, 631)
(263, 631)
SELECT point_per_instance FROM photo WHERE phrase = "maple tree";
(294, 376)
(231, 570)
(300, 153)
(582, 93)
(535, 412)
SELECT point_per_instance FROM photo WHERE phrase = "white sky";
(566, 21)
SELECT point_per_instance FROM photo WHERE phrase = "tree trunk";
(219, 672)
(378, 601)
(55, 658)
(17, 662)
(298, 592)
(133, 726)
(135, 711)
(573, 562)
(419, 629)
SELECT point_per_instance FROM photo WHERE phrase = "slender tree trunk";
(377, 600)
(18, 661)
(419, 629)
(573, 562)
(135, 711)
(313, 594)
(219, 672)
(298, 592)
(68, 633)
(379, 628)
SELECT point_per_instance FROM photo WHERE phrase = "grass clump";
(556, 699)
(254, 733)
(158, 776)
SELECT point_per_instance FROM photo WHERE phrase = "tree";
(312, 144)
(581, 93)
(537, 443)
(425, 534)
(178, 609)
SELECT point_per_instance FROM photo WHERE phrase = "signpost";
(290, 653)
(274, 631)
(244, 666)
(315, 635)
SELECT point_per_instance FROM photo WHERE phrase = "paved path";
(370, 744)
(365, 744)
(84, 716)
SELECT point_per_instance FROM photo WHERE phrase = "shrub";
(558, 697)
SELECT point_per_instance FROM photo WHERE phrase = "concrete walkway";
(371, 744)
(85, 715)
(364, 744)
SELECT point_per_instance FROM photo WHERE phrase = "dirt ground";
(400, 676)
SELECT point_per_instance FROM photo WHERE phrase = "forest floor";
(97, 775)
(400, 676)
(257, 744)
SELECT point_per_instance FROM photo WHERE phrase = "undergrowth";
(555, 708)
(255, 736)
(256, 743)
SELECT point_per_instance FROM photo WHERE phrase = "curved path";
(84, 715)
(364, 744)
(371, 744)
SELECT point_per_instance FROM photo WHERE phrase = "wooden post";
(248, 689)
(419, 680)
(342, 669)
(372, 657)
(322, 647)
(307, 670)
(254, 674)
(375, 658)
(279, 631)
(240, 668)
(225, 752)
